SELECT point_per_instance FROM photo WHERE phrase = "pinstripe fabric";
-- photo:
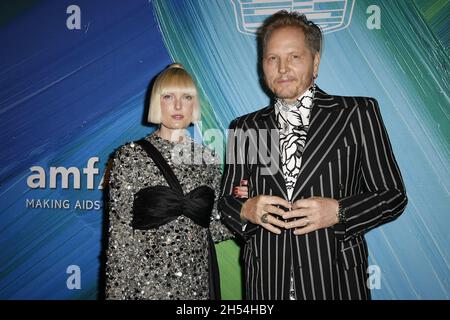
(347, 157)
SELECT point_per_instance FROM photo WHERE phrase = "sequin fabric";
(170, 262)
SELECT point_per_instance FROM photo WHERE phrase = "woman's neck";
(173, 135)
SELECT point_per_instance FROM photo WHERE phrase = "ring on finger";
(265, 218)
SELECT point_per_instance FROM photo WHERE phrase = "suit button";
(341, 186)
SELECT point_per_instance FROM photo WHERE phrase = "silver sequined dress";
(170, 262)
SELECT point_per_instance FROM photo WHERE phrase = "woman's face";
(176, 110)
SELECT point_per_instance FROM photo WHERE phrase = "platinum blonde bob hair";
(174, 79)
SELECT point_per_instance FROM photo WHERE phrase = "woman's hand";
(241, 191)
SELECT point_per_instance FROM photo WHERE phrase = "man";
(331, 177)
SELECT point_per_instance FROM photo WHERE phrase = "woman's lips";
(177, 117)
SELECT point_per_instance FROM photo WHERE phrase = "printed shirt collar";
(308, 95)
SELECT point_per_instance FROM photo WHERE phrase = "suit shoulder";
(248, 118)
(357, 101)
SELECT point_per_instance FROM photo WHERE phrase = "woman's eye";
(167, 96)
(188, 98)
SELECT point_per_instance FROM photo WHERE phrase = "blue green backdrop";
(69, 95)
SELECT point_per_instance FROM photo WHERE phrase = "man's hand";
(255, 208)
(316, 213)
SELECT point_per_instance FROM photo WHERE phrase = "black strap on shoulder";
(162, 164)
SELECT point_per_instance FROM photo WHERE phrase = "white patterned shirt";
(293, 125)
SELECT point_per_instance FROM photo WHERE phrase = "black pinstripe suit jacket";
(347, 157)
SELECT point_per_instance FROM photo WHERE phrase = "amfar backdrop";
(74, 76)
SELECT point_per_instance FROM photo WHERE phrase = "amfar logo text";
(39, 177)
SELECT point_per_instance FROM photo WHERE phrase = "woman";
(162, 208)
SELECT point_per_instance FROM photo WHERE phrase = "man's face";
(288, 63)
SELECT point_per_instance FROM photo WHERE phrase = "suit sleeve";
(234, 171)
(384, 197)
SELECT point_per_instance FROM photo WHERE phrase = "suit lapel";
(267, 121)
(327, 123)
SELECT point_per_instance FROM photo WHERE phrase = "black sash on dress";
(157, 205)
